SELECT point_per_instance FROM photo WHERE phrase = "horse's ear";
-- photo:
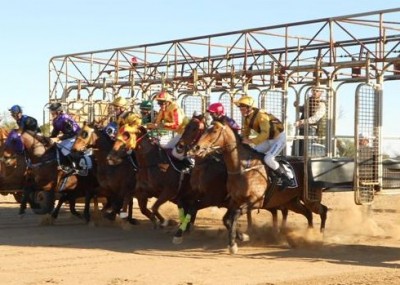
(84, 123)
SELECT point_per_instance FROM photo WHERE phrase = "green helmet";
(146, 105)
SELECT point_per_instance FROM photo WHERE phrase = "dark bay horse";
(12, 170)
(208, 180)
(248, 180)
(117, 182)
(48, 180)
(158, 176)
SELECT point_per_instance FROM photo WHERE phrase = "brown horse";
(48, 180)
(158, 175)
(12, 170)
(208, 181)
(3, 137)
(248, 183)
(117, 182)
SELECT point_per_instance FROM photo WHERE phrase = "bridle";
(212, 147)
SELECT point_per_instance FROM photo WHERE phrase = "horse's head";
(216, 137)
(13, 146)
(126, 140)
(84, 139)
(192, 133)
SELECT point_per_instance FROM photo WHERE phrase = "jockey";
(24, 122)
(147, 112)
(270, 138)
(170, 118)
(64, 128)
(217, 112)
(119, 112)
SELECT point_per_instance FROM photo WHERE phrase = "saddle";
(183, 164)
(288, 168)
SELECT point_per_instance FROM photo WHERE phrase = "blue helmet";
(15, 109)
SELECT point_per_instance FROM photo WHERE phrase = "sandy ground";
(360, 246)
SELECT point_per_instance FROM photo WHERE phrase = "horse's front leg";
(228, 219)
(25, 199)
(142, 201)
(155, 209)
(63, 198)
(72, 205)
(86, 210)
(232, 232)
(187, 216)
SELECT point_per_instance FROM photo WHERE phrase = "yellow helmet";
(119, 101)
(133, 120)
(164, 96)
(245, 100)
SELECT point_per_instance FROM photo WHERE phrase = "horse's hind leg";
(321, 210)
(297, 207)
(285, 213)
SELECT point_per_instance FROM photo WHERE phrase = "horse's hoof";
(245, 237)
(134, 222)
(177, 240)
(164, 224)
(233, 249)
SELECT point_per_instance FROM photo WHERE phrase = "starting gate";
(267, 63)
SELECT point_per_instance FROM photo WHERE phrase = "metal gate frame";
(367, 133)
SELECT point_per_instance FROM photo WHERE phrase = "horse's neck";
(236, 153)
(148, 153)
(102, 147)
(34, 149)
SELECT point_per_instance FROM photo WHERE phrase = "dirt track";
(358, 248)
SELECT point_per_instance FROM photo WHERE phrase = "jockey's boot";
(284, 178)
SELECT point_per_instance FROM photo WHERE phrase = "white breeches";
(272, 148)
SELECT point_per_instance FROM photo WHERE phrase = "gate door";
(367, 143)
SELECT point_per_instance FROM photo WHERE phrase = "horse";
(248, 184)
(117, 183)
(158, 174)
(208, 181)
(44, 162)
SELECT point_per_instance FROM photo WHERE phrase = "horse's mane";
(245, 146)
(45, 141)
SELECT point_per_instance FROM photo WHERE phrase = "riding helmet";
(163, 96)
(216, 108)
(146, 105)
(55, 107)
(246, 101)
(15, 109)
(119, 101)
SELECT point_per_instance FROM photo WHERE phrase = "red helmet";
(216, 108)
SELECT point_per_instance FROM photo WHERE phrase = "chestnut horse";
(248, 183)
(117, 182)
(43, 161)
(158, 175)
(208, 181)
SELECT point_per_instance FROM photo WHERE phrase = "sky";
(34, 31)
